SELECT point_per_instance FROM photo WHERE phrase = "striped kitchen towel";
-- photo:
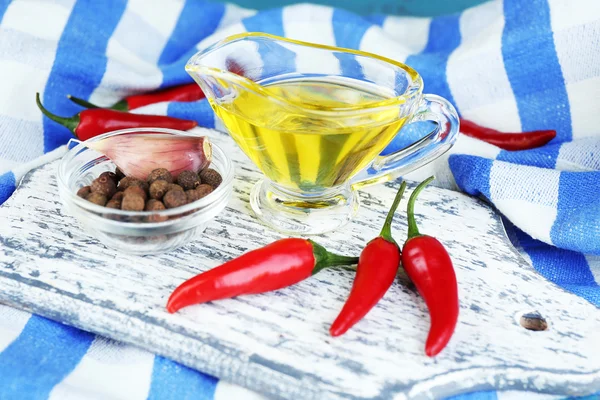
(511, 65)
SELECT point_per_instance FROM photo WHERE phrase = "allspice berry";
(130, 181)
(118, 196)
(174, 198)
(188, 180)
(174, 186)
(96, 198)
(158, 189)
(162, 174)
(111, 175)
(198, 193)
(211, 177)
(116, 204)
(155, 205)
(104, 185)
(132, 202)
(136, 190)
(84, 191)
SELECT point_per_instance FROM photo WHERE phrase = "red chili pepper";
(275, 266)
(429, 266)
(507, 141)
(188, 92)
(90, 123)
(376, 271)
(233, 66)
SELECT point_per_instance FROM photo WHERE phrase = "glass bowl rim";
(197, 205)
(413, 90)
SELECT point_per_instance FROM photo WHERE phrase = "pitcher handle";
(440, 140)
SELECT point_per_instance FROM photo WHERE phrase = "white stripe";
(585, 117)
(565, 14)
(132, 58)
(7, 165)
(27, 28)
(526, 194)
(440, 167)
(228, 391)
(108, 370)
(376, 41)
(44, 159)
(42, 19)
(234, 14)
(412, 32)
(155, 109)
(575, 31)
(221, 34)
(580, 155)
(594, 264)
(161, 16)
(490, 102)
(244, 53)
(219, 125)
(311, 23)
(12, 322)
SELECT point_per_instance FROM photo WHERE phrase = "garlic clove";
(138, 154)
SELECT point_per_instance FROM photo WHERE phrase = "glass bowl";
(132, 231)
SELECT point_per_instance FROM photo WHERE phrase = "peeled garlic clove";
(138, 154)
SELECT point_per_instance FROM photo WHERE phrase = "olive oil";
(310, 134)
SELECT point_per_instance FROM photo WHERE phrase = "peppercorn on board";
(278, 343)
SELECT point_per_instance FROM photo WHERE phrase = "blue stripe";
(89, 27)
(475, 396)
(174, 381)
(199, 111)
(444, 38)
(349, 30)
(270, 21)
(533, 69)
(40, 358)
(472, 174)
(543, 157)
(7, 186)
(187, 33)
(198, 19)
(577, 223)
(276, 59)
(568, 269)
(591, 397)
(377, 19)
(3, 6)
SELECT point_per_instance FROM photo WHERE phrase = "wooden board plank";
(278, 343)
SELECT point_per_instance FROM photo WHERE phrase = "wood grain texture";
(278, 343)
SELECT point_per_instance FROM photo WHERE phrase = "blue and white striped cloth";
(513, 65)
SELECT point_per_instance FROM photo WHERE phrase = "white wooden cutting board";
(278, 343)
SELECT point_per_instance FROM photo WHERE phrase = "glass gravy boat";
(314, 119)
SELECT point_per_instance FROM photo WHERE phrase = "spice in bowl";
(156, 193)
(148, 167)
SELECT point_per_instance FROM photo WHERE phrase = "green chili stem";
(413, 231)
(120, 106)
(81, 102)
(386, 230)
(325, 259)
(70, 123)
